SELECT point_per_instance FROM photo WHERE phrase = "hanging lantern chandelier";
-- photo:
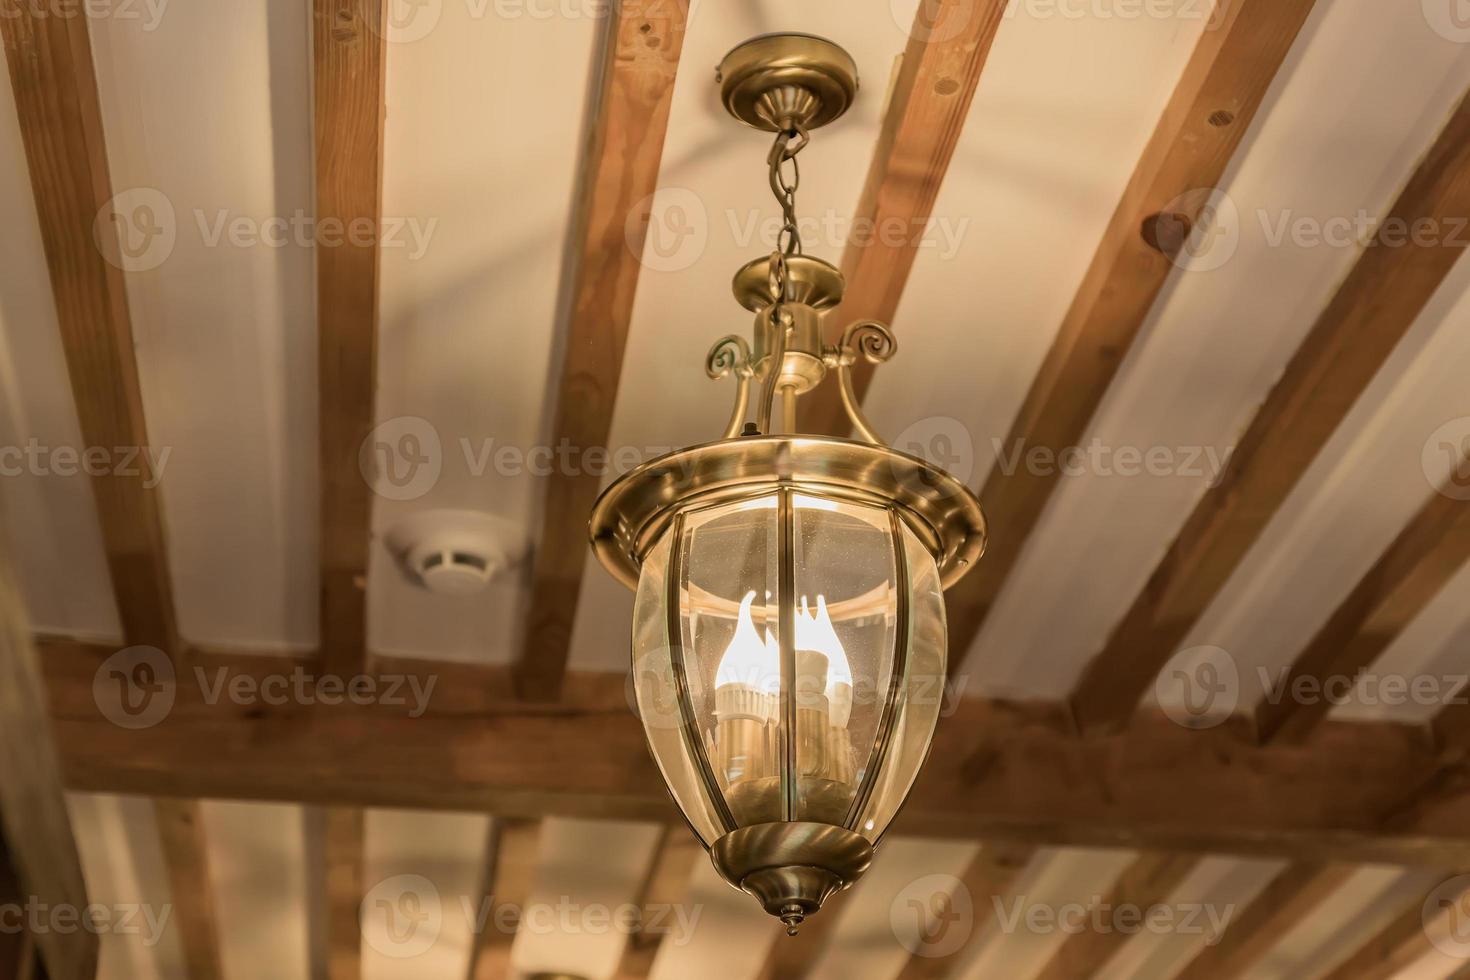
(789, 624)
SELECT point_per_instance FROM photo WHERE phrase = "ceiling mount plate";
(775, 80)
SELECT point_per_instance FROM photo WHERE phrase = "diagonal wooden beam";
(36, 840)
(1408, 936)
(949, 43)
(1212, 107)
(666, 885)
(349, 55)
(1287, 899)
(186, 857)
(1150, 880)
(989, 878)
(510, 864)
(629, 119)
(1411, 572)
(1381, 298)
(56, 101)
(337, 844)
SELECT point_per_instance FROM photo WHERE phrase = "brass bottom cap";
(791, 868)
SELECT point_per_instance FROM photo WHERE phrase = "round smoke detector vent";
(455, 552)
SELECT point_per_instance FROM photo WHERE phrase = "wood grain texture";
(1229, 72)
(186, 859)
(1408, 936)
(1156, 786)
(1292, 895)
(349, 56)
(55, 86)
(511, 852)
(991, 877)
(949, 43)
(665, 885)
(1149, 881)
(1383, 295)
(631, 114)
(337, 847)
(1406, 577)
(34, 823)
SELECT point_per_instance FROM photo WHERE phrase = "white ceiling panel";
(1220, 336)
(480, 177)
(122, 861)
(49, 518)
(207, 114)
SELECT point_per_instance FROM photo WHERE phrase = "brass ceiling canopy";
(789, 643)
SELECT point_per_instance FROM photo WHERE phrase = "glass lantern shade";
(788, 651)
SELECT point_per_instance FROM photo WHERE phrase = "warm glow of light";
(755, 663)
(814, 631)
(801, 500)
(748, 660)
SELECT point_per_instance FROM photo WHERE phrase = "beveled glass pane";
(921, 695)
(658, 697)
(729, 605)
(846, 595)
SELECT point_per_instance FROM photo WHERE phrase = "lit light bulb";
(748, 660)
(814, 631)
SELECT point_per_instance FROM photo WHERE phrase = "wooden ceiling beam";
(337, 852)
(629, 118)
(1407, 937)
(1406, 577)
(1215, 101)
(665, 886)
(349, 53)
(1288, 898)
(52, 74)
(511, 849)
(1156, 786)
(991, 876)
(186, 858)
(949, 43)
(36, 839)
(1374, 307)
(1149, 881)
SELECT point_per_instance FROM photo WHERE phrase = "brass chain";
(789, 142)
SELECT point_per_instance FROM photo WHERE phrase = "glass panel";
(922, 696)
(729, 603)
(658, 698)
(846, 609)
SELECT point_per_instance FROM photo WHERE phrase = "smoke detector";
(455, 552)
